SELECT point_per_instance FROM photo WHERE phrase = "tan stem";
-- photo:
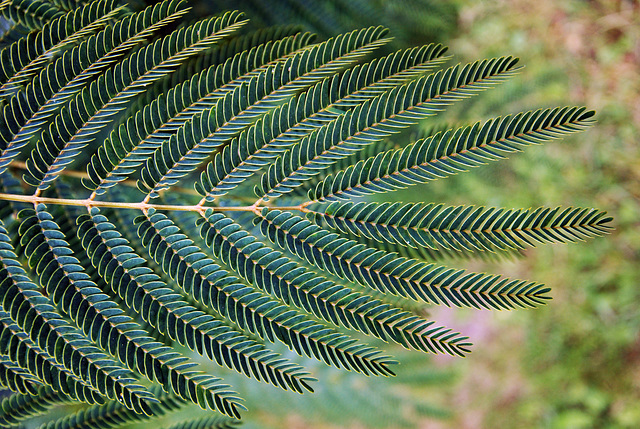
(144, 206)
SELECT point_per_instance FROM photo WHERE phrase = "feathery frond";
(33, 14)
(170, 314)
(107, 325)
(380, 117)
(258, 313)
(113, 414)
(129, 146)
(387, 273)
(463, 227)
(61, 80)
(20, 61)
(111, 294)
(17, 408)
(261, 144)
(451, 152)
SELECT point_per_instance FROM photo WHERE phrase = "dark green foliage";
(110, 292)
(19, 407)
(461, 228)
(213, 422)
(113, 414)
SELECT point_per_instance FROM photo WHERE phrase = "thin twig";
(143, 205)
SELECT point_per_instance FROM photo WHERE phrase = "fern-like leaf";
(109, 294)
(277, 274)
(51, 333)
(463, 227)
(451, 152)
(249, 309)
(22, 352)
(388, 273)
(378, 118)
(129, 146)
(94, 312)
(33, 14)
(171, 315)
(20, 61)
(261, 144)
(66, 76)
(81, 119)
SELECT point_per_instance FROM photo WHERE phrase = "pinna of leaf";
(277, 134)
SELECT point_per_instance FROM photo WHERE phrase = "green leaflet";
(462, 228)
(264, 141)
(93, 312)
(378, 118)
(388, 273)
(441, 255)
(27, 56)
(249, 309)
(172, 315)
(65, 77)
(451, 152)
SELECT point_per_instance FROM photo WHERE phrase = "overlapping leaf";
(388, 273)
(171, 315)
(380, 117)
(451, 152)
(25, 57)
(113, 415)
(130, 144)
(94, 107)
(26, 111)
(463, 227)
(50, 335)
(33, 14)
(264, 141)
(16, 379)
(256, 312)
(107, 325)
(281, 276)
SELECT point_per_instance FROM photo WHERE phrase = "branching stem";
(143, 205)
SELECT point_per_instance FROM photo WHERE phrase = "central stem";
(144, 205)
